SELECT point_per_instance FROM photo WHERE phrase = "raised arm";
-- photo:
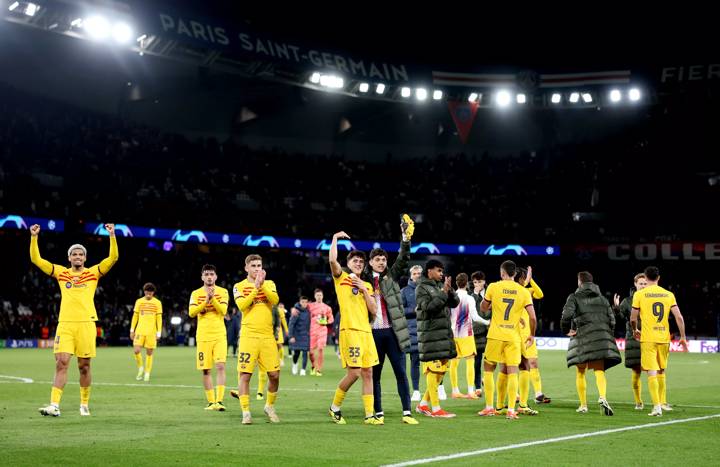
(270, 290)
(407, 227)
(45, 266)
(113, 256)
(195, 308)
(335, 267)
(220, 303)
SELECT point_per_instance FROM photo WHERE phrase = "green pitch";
(163, 421)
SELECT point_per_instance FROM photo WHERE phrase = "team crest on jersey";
(68, 285)
(355, 290)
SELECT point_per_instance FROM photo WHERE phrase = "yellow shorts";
(435, 366)
(507, 352)
(77, 338)
(357, 349)
(211, 352)
(148, 341)
(653, 355)
(260, 351)
(528, 352)
(465, 346)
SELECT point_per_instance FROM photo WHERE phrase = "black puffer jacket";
(390, 289)
(435, 336)
(632, 346)
(480, 330)
(595, 322)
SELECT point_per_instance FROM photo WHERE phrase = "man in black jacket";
(390, 328)
(435, 337)
(589, 321)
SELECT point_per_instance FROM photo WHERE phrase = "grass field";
(163, 421)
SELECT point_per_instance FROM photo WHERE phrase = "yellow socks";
(219, 393)
(138, 360)
(368, 401)
(84, 395)
(524, 381)
(55, 395)
(210, 395)
(432, 389)
(148, 363)
(454, 364)
(501, 389)
(338, 399)
(262, 381)
(662, 389)
(470, 372)
(637, 387)
(489, 383)
(245, 402)
(271, 396)
(536, 382)
(581, 386)
(654, 387)
(601, 383)
(512, 390)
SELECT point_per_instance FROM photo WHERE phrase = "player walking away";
(321, 316)
(632, 346)
(209, 304)
(435, 336)
(652, 304)
(590, 322)
(507, 299)
(146, 329)
(75, 334)
(255, 297)
(299, 334)
(461, 318)
(357, 348)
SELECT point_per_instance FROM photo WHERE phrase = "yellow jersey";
(77, 289)
(536, 293)
(147, 316)
(211, 316)
(654, 304)
(256, 306)
(508, 300)
(353, 309)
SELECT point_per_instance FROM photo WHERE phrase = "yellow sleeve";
(45, 266)
(636, 300)
(195, 308)
(244, 302)
(270, 292)
(673, 300)
(220, 304)
(135, 318)
(537, 292)
(283, 321)
(112, 258)
(489, 292)
(158, 318)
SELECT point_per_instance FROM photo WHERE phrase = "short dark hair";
(585, 277)
(478, 276)
(354, 253)
(208, 267)
(652, 273)
(149, 287)
(432, 264)
(252, 257)
(378, 252)
(461, 280)
(303, 297)
(509, 267)
(318, 290)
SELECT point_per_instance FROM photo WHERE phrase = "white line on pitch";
(478, 452)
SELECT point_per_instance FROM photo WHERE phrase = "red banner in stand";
(463, 114)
